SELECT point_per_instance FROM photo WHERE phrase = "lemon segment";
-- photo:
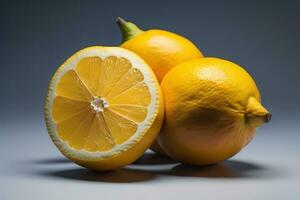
(89, 71)
(64, 108)
(71, 87)
(101, 102)
(134, 112)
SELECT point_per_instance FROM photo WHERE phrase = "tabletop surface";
(32, 168)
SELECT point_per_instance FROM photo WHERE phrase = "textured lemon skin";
(115, 160)
(206, 111)
(162, 50)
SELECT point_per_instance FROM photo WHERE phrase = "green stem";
(128, 29)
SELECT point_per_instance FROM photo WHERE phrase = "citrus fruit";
(162, 50)
(104, 107)
(212, 108)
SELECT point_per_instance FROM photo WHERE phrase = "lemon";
(212, 109)
(161, 49)
(104, 107)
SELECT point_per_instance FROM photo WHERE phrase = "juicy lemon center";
(98, 104)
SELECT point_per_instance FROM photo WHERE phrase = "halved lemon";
(104, 107)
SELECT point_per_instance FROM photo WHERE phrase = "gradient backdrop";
(36, 37)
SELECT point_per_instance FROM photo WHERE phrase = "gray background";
(36, 37)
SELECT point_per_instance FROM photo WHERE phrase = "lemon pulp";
(99, 103)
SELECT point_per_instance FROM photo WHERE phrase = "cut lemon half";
(104, 107)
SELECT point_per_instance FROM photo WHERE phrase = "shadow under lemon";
(150, 158)
(61, 160)
(118, 176)
(226, 169)
(151, 165)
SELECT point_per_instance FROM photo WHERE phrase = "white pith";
(143, 127)
(98, 104)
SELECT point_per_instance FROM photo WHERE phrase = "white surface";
(32, 168)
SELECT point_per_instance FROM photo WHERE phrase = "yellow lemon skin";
(212, 108)
(162, 50)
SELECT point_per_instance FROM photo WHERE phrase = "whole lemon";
(162, 50)
(212, 108)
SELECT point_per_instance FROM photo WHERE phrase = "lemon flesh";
(100, 104)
